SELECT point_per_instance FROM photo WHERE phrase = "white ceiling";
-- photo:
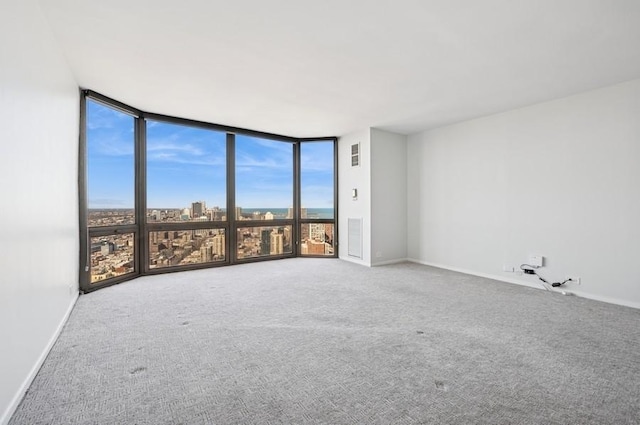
(325, 68)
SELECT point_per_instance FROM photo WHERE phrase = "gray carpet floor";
(323, 341)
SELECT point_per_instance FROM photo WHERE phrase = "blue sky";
(187, 164)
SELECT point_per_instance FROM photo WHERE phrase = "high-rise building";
(219, 245)
(215, 214)
(328, 231)
(107, 248)
(265, 242)
(277, 243)
(287, 235)
(206, 253)
(268, 215)
(198, 209)
(316, 232)
(238, 213)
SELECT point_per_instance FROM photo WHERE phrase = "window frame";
(142, 229)
(333, 220)
(86, 232)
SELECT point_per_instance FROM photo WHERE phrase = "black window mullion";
(232, 234)
(142, 241)
(296, 199)
(335, 197)
(82, 196)
(112, 230)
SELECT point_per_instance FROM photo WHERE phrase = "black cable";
(529, 269)
(556, 284)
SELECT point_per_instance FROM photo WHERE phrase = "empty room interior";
(328, 212)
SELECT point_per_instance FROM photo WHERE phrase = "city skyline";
(117, 216)
(114, 255)
(186, 163)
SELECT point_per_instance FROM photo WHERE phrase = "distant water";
(282, 212)
(327, 213)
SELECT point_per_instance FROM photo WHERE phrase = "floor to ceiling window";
(161, 194)
(264, 173)
(317, 194)
(186, 195)
(110, 240)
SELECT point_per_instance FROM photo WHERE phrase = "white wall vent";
(355, 155)
(354, 228)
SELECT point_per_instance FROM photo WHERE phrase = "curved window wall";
(160, 194)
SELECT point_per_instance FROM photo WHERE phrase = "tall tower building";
(198, 209)
(287, 235)
(265, 242)
(215, 214)
(316, 232)
(277, 243)
(328, 231)
(206, 253)
(219, 245)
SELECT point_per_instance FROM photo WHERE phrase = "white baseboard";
(608, 300)
(578, 293)
(17, 398)
(387, 262)
(375, 264)
(355, 260)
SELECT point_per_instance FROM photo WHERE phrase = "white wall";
(354, 178)
(559, 179)
(388, 197)
(39, 206)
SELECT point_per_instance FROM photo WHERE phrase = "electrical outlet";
(575, 279)
(536, 260)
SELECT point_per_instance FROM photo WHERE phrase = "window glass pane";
(183, 247)
(317, 239)
(316, 179)
(111, 256)
(186, 173)
(262, 214)
(264, 241)
(110, 166)
(264, 177)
